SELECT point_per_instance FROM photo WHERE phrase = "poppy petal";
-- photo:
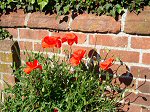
(58, 44)
(70, 42)
(29, 64)
(79, 53)
(27, 70)
(76, 39)
(40, 67)
(64, 39)
(74, 61)
(50, 42)
(106, 64)
(35, 63)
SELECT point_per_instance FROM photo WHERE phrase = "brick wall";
(127, 38)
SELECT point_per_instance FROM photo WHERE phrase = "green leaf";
(113, 12)
(66, 9)
(42, 3)
(32, 1)
(118, 8)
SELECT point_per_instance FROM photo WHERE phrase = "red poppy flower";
(31, 66)
(51, 42)
(70, 38)
(106, 64)
(56, 110)
(76, 57)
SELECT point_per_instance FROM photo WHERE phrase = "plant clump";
(81, 83)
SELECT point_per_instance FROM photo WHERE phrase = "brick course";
(128, 38)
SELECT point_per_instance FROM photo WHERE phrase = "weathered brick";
(145, 58)
(33, 34)
(10, 79)
(42, 20)
(132, 108)
(13, 32)
(109, 40)
(5, 45)
(81, 36)
(125, 56)
(14, 19)
(92, 23)
(140, 99)
(144, 109)
(5, 57)
(144, 86)
(140, 72)
(140, 43)
(1, 87)
(25, 45)
(138, 24)
(6, 68)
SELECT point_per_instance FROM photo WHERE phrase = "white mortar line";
(69, 24)
(123, 19)
(49, 33)
(129, 42)
(8, 63)
(141, 55)
(27, 18)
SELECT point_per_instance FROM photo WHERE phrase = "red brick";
(109, 40)
(25, 45)
(10, 79)
(33, 34)
(138, 24)
(119, 69)
(5, 68)
(145, 58)
(132, 108)
(13, 32)
(1, 86)
(38, 47)
(145, 109)
(23, 56)
(5, 57)
(125, 56)
(140, 72)
(81, 36)
(145, 101)
(6, 45)
(42, 20)
(140, 43)
(14, 19)
(93, 23)
(144, 86)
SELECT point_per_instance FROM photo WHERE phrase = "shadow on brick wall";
(16, 60)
